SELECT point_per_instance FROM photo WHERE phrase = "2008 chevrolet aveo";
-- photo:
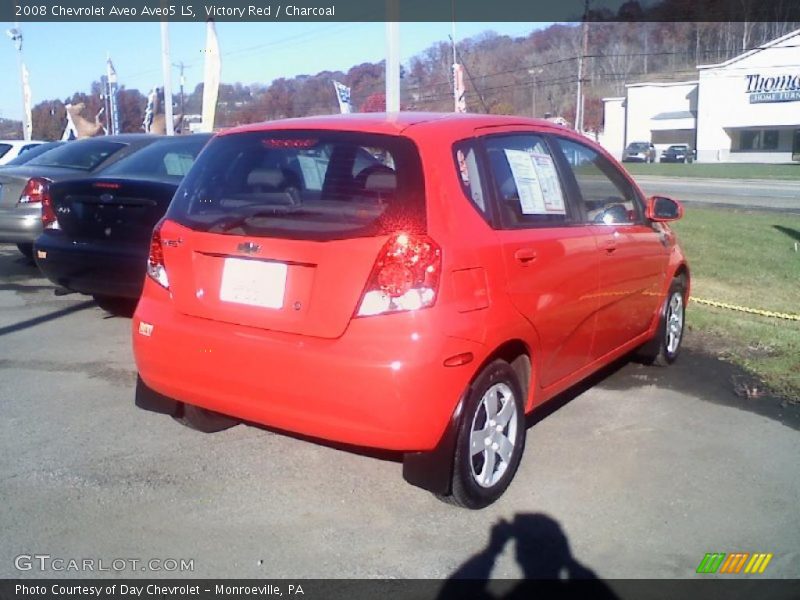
(412, 282)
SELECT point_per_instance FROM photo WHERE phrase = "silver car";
(24, 188)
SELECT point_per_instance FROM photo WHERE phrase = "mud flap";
(433, 470)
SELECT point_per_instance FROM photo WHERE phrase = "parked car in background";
(29, 155)
(96, 235)
(425, 303)
(639, 152)
(23, 188)
(678, 153)
(10, 149)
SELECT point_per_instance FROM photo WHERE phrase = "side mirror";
(661, 208)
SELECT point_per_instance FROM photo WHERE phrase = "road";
(755, 193)
(638, 474)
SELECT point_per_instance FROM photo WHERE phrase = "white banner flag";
(27, 122)
(113, 117)
(150, 110)
(343, 96)
(211, 77)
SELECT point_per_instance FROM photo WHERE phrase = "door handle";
(525, 255)
(609, 245)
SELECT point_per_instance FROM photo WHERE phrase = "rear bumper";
(92, 267)
(382, 384)
(20, 225)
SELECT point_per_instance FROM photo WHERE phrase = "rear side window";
(528, 188)
(608, 197)
(84, 155)
(4, 148)
(303, 185)
(171, 157)
(469, 175)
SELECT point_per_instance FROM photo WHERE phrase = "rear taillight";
(49, 220)
(405, 276)
(34, 191)
(37, 191)
(155, 261)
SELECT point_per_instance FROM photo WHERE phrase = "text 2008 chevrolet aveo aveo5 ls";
(410, 282)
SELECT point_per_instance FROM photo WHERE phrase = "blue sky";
(66, 57)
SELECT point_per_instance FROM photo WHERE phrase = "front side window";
(607, 196)
(528, 187)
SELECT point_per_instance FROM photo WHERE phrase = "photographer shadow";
(543, 554)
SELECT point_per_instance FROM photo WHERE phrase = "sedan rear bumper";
(20, 225)
(92, 267)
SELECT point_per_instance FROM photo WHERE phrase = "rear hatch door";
(280, 229)
(295, 286)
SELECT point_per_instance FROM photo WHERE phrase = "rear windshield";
(83, 155)
(679, 148)
(29, 155)
(639, 146)
(305, 185)
(170, 158)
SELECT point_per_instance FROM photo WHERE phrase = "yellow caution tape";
(745, 309)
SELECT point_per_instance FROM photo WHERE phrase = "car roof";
(121, 137)
(391, 123)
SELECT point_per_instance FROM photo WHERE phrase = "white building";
(746, 109)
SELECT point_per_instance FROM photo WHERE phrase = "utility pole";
(533, 73)
(180, 66)
(584, 47)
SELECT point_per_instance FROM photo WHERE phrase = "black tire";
(466, 489)
(201, 419)
(663, 350)
(119, 307)
(26, 249)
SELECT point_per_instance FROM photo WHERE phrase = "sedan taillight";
(34, 191)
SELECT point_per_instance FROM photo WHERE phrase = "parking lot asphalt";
(637, 474)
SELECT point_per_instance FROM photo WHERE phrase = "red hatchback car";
(412, 282)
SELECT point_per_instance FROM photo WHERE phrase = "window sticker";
(549, 183)
(537, 183)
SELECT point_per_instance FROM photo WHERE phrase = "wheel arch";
(519, 355)
(682, 270)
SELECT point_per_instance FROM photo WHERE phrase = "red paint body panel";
(313, 368)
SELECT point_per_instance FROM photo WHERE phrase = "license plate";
(253, 282)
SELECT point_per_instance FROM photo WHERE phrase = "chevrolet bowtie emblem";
(249, 248)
